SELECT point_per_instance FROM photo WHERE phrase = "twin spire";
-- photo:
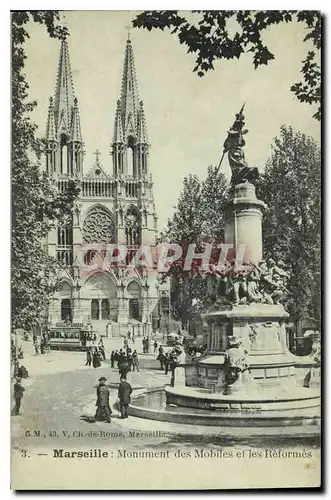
(63, 114)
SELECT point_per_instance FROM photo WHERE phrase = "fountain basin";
(257, 401)
(153, 405)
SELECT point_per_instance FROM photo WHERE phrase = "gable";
(96, 172)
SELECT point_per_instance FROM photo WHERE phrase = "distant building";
(114, 207)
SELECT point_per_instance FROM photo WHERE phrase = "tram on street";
(70, 337)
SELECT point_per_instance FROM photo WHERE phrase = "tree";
(207, 34)
(291, 186)
(198, 220)
(36, 202)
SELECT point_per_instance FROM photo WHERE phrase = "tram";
(76, 337)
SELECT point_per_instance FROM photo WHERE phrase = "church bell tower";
(64, 145)
(137, 220)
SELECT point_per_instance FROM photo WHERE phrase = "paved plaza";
(59, 404)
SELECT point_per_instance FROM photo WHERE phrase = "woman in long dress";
(103, 412)
(96, 359)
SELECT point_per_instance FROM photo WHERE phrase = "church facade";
(114, 208)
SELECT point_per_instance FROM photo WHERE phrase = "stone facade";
(113, 209)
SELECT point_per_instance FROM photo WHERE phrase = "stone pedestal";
(261, 330)
(243, 224)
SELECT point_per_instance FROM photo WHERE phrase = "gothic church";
(113, 208)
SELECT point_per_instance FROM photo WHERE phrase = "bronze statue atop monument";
(233, 145)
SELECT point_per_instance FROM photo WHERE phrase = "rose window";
(98, 227)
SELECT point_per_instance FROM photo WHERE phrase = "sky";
(187, 116)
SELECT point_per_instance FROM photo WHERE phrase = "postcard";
(166, 250)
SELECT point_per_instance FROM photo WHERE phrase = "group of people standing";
(104, 412)
(168, 361)
(95, 355)
(41, 344)
(126, 360)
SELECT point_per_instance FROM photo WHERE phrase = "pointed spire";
(142, 131)
(64, 93)
(118, 128)
(129, 92)
(50, 127)
(75, 133)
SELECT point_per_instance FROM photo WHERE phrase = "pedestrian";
(22, 372)
(135, 361)
(129, 335)
(166, 361)
(83, 339)
(95, 358)
(155, 346)
(160, 357)
(102, 353)
(36, 345)
(103, 412)
(124, 393)
(172, 365)
(88, 357)
(16, 368)
(121, 356)
(112, 359)
(18, 395)
(123, 368)
(129, 360)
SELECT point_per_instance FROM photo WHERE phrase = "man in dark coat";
(129, 360)
(166, 362)
(124, 393)
(103, 409)
(88, 357)
(123, 368)
(160, 357)
(18, 395)
(23, 372)
(120, 358)
(112, 359)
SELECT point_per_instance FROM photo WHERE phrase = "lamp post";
(157, 286)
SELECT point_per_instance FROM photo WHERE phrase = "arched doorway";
(135, 306)
(66, 311)
(99, 297)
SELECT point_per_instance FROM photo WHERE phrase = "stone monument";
(247, 365)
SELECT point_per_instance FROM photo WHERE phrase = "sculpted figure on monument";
(273, 281)
(236, 360)
(234, 145)
(264, 283)
(253, 293)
